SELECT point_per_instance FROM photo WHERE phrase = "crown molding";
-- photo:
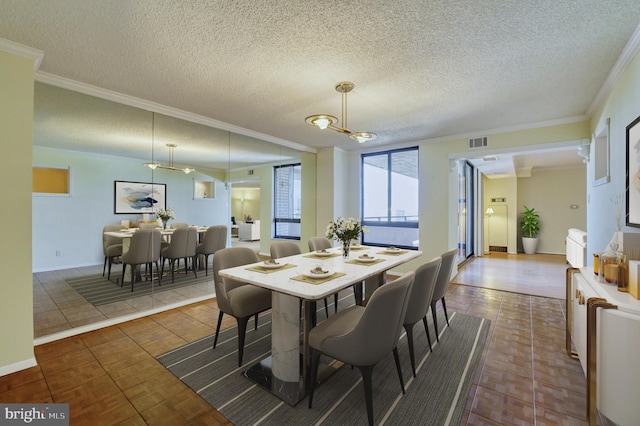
(625, 58)
(23, 51)
(88, 89)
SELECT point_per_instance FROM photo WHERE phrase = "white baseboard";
(22, 365)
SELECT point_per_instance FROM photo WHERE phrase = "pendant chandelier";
(324, 121)
(153, 165)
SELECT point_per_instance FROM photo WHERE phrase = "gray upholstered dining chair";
(238, 299)
(144, 226)
(182, 246)
(279, 249)
(214, 239)
(420, 302)
(144, 250)
(111, 246)
(363, 336)
(442, 284)
(176, 225)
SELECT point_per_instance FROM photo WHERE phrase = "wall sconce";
(489, 212)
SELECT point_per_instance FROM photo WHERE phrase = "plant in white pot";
(530, 225)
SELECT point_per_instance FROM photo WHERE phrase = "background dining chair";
(176, 225)
(279, 249)
(144, 250)
(214, 239)
(238, 299)
(148, 226)
(111, 246)
(442, 284)
(182, 246)
(363, 336)
(420, 302)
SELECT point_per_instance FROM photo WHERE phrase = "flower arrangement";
(345, 230)
(165, 215)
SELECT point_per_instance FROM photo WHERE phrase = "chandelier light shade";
(153, 165)
(326, 121)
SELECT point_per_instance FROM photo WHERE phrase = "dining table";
(125, 235)
(292, 279)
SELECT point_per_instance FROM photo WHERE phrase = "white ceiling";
(422, 69)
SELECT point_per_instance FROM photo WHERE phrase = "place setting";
(365, 260)
(317, 275)
(393, 251)
(322, 254)
(269, 266)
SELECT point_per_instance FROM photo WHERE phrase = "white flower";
(345, 229)
(165, 214)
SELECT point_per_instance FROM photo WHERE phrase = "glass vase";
(614, 268)
(346, 247)
(164, 224)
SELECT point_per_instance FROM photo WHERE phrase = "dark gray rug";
(98, 290)
(437, 396)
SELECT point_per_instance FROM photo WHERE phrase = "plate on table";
(324, 274)
(322, 253)
(366, 259)
(393, 249)
(269, 265)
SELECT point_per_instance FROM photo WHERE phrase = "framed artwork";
(633, 173)
(139, 197)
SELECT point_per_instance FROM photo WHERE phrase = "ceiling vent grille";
(477, 142)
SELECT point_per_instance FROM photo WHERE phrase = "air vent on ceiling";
(477, 142)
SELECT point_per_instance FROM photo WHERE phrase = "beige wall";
(16, 299)
(552, 193)
(506, 188)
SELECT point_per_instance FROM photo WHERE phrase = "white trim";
(625, 58)
(23, 51)
(118, 320)
(87, 89)
(18, 366)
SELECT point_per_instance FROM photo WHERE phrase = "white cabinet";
(604, 327)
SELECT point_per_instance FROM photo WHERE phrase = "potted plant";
(530, 225)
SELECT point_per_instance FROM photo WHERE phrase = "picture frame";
(633, 174)
(138, 197)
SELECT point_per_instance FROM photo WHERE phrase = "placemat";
(308, 280)
(315, 256)
(258, 268)
(392, 253)
(357, 262)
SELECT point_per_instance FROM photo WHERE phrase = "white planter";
(530, 245)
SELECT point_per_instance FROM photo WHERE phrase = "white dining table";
(282, 373)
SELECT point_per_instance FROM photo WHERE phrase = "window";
(287, 201)
(390, 198)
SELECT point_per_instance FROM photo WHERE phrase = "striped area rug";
(100, 291)
(437, 396)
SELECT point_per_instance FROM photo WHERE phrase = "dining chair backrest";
(192, 240)
(144, 248)
(108, 240)
(319, 243)
(178, 246)
(176, 225)
(444, 275)
(229, 258)
(280, 249)
(214, 239)
(422, 291)
(379, 327)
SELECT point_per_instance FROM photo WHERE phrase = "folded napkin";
(357, 262)
(309, 280)
(258, 268)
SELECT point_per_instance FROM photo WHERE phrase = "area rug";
(437, 396)
(98, 290)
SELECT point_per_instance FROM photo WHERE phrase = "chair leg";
(124, 268)
(315, 358)
(206, 264)
(105, 265)
(163, 262)
(193, 266)
(335, 303)
(398, 367)
(426, 329)
(215, 339)
(256, 322)
(242, 330)
(109, 273)
(158, 273)
(326, 307)
(367, 382)
(409, 329)
(435, 319)
(172, 264)
(444, 307)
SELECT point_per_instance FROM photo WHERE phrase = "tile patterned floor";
(110, 376)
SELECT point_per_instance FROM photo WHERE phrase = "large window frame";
(390, 220)
(291, 195)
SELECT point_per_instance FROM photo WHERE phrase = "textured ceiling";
(422, 69)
